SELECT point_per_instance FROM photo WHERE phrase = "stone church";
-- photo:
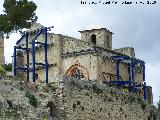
(88, 58)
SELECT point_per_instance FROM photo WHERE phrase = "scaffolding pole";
(46, 54)
(118, 77)
(33, 61)
(45, 44)
(131, 73)
(133, 79)
(144, 82)
(27, 52)
(33, 47)
(15, 61)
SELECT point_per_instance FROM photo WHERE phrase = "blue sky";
(135, 25)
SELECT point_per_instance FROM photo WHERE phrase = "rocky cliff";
(68, 99)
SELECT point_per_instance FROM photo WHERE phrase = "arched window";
(93, 39)
(77, 71)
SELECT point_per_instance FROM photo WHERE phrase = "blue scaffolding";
(34, 44)
(19, 47)
(131, 74)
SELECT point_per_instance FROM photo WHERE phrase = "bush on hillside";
(7, 67)
(2, 71)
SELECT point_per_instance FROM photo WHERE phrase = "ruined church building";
(90, 58)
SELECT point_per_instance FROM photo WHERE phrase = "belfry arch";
(78, 71)
(93, 39)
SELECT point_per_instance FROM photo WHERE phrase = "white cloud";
(8, 44)
(153, 79)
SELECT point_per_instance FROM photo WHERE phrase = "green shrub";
(158, 104)
(132, 98)
(143, 105)
(32, 99)
(45, 88)
(43, 118)
(96, 89)
(10, 103)
(2, 71)
(52, 86)
(7, 67)
(10, 113)
(153, 113)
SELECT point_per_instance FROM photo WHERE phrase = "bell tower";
(99, 37)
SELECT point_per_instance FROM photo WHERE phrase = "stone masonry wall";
(107, 70)
(127, 51)
(87, 100)
(68, 99)
(2, 61)
(70, 44)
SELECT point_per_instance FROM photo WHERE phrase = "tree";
(17, 15)
(158, 104)
(7, 67)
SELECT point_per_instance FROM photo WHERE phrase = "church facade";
(88, 58)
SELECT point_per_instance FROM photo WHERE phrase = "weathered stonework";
(2, 60)
(69, 99)
(150, 96)
(102, 35)
(91, 101)
(86, 59)
(127, 51)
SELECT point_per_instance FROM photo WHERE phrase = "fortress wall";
(71, 99)
(85, 100)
